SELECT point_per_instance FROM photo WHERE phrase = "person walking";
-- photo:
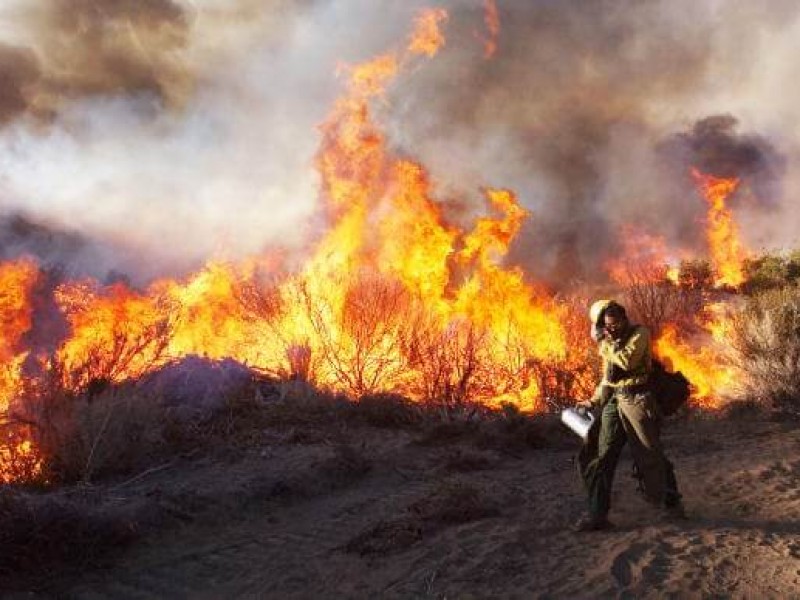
(628, 412)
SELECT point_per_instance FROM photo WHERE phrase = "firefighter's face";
(615, 325)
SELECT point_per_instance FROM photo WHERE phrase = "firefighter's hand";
(584, 405)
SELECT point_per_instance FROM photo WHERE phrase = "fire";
(643, 258)
(702, 361)
(17, 281)
(427, 37)
(728, 253)
(394, 297)
(492, 21)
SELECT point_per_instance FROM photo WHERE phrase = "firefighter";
(628, 412)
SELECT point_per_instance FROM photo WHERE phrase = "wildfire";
(703, 363)
(17, 280)
(393, 298)
(16, 283)
(492, 21)
(427, 37)
(727, 250)
(643, 258)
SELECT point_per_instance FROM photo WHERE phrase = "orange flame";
(427, 37)
(643, 257)
(702, 361)
(17, 280)
(728, 253)
(492, 20)
(16, 283)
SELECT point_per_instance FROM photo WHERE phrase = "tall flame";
(392, 298)
(727, 250)
(492, 21)
(17, 281)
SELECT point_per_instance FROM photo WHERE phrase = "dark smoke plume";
(572, 114)
(714, 147)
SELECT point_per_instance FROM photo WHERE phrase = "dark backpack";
(671, 390)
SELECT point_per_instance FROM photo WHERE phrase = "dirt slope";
(396, 514)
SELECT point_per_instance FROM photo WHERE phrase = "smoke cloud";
(167, 132)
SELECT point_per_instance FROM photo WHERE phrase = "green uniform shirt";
(632, 354)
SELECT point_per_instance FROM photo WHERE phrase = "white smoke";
(203, 146)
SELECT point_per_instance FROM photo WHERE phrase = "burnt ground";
(327, 509)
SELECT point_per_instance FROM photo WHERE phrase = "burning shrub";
(79, 437)
(117, 428)
(766, 338)
(363, 354)
(696, 274)
(448, 362)
(563, 380)
(655, 301)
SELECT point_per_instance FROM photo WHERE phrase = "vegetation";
(766, 339)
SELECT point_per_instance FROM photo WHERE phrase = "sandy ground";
(398, 514)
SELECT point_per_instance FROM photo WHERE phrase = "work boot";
(592, 523)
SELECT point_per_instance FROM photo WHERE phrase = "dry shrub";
(743, 410)
(360, 340)
(388, 410)
(300, 404)
(42, 532)
(654, 301)
(765, 337)
(513, 433)
(562, 381)
(507, 431)
(453, 503)
(81, 438)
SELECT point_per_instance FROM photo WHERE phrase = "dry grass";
(766, 339)
(654, 301)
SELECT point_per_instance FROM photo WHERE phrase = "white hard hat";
(597, 308)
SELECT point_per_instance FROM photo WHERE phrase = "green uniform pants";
(636, 420)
